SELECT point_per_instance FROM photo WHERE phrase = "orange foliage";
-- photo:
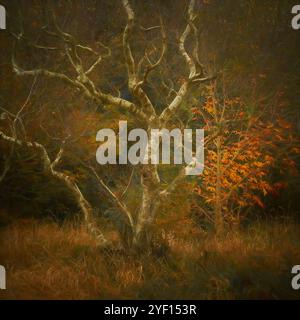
(251, 148)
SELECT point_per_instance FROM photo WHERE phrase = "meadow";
(45, 260)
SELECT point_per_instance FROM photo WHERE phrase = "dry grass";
(47, 261)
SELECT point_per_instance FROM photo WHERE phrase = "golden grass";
(47, 261)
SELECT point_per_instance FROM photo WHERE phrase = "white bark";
(150, 200)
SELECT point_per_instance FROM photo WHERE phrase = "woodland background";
(231, 233)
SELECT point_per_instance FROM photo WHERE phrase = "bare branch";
(152, 66)
(134, 87)
(43, 72)
(194, 77)
(150, 28)
(129, 60)
(129, 183)
(119, 203)
(189, 60)
(57, 160)
(92, 94)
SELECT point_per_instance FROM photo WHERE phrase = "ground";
(45, 260)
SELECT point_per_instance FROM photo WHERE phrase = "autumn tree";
(242, 158)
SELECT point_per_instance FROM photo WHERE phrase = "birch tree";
(142, 109)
